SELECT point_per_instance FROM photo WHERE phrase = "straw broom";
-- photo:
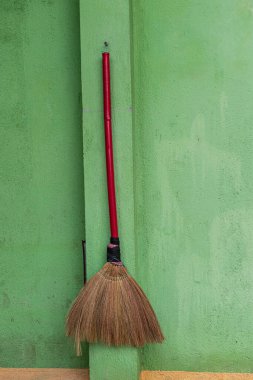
(111, 307)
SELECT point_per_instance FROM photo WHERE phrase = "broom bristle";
(112, 308)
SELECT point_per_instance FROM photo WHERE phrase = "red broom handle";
(109, 146)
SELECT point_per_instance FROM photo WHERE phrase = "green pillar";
(103, 21)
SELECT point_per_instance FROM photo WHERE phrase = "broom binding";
(113, 253)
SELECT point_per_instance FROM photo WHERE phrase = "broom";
(111, 307)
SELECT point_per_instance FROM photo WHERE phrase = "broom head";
(112, 308)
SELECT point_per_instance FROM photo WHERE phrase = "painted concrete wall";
(192, 90)
(41, 171)
(183, 162)
(193, 81)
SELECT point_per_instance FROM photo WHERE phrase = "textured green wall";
(193, 79)
(42, 210)
(183, 163)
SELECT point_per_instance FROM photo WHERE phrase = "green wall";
(42, 207)
(182, 86)
(193, 83)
